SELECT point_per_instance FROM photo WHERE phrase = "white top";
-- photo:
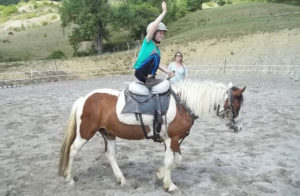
(180, 73)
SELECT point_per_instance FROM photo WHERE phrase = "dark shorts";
(148, 67)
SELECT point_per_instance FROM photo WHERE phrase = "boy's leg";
(148, 68)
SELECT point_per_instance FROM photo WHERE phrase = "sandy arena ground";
(262, 159)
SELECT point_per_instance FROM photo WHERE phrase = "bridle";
(228, 109)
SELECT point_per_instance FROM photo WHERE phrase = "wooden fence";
(16, 79)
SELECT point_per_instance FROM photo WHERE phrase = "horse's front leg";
(111, 156)
(177, 156)
(169, 163)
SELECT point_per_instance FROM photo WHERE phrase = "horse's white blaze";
(238, 120)
(111, 156)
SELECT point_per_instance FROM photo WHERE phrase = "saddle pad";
(139, 88)
(161, 87)
(145, 104)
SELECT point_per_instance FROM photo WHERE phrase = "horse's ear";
(230, 85)
(239, 91)
(243, 89)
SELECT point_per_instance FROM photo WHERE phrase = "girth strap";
(143, 126)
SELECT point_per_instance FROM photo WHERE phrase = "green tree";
(91, 19)
(135, 17)
(176, 10)
(193, 5)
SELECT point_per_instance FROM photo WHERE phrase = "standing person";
(178, 68)
(148, 60)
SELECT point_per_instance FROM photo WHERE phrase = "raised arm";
(154, 24)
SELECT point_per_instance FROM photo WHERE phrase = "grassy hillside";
(234, 20)
(32, 32)
(35, 43)
(38, 41)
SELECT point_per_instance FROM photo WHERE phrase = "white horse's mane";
(201, 96)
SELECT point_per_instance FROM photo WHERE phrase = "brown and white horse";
(100, 110)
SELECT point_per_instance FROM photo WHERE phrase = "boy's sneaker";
(152, 81)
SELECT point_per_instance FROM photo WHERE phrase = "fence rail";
(15, 79)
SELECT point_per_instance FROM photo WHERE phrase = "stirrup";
(156, 138)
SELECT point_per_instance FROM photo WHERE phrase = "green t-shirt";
(147, 49)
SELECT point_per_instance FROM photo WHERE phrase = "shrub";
(221, 2)
(44, 23)
(17, 29)
(193, 5)
(53, 17)
(8, 10)
(57, 54)
(229, 2)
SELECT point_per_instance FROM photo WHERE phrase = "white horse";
(100, 111)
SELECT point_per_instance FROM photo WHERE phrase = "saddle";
(139, 99)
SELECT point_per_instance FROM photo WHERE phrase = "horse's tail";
(70, 134)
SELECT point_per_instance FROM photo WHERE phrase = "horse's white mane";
(201, 96)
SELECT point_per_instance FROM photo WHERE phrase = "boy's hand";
(164, 6)
(171, 74)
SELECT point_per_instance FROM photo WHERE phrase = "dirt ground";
(262, 159)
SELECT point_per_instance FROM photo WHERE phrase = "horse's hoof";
(160, 173)
(172, 187)
(236, 129)
(122, 181)
(70, 181)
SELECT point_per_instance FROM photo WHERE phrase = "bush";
(44, 23)
(53, 17)
(221, 2)
(17, 29)
(57, 54)
(193, 5)
(229, 2)
(8, 10)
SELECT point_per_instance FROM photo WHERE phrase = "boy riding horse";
(148, 60)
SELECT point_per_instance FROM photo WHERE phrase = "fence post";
(224, 66)
(56, 71)
(128, 46)
(31, 75)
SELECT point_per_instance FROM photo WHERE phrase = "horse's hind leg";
(111, 156)
(75, 147)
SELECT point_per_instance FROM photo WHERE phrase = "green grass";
(32, 44)
(227, 21)
(234, 20)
